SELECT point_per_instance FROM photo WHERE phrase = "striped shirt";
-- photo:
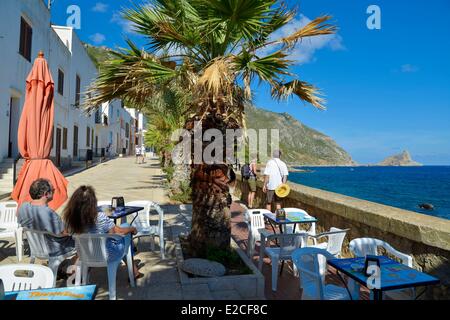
(103, 225)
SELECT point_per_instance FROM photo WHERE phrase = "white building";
(139, 126)
(25, 29)
(118, 127)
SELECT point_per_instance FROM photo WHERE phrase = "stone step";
(6, 184)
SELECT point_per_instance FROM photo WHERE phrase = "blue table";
(291, 218)
(394, 275)
(66, 293)
(119, 212)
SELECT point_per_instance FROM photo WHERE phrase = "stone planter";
(248, 286)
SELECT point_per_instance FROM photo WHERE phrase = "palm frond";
(218, 76)
(317, 27)
(133, 75)
(302, 89)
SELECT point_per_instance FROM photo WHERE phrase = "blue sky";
(387, 90)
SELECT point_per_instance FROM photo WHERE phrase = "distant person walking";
(138, 154)
(143, 153)
(275, 174)
(252, 182)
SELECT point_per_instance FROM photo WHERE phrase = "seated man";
(36, 215)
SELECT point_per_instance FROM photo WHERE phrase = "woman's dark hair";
(39, 188)
(81, 211)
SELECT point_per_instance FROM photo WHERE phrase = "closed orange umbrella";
(35, 136)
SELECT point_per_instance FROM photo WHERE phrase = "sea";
(401, 187)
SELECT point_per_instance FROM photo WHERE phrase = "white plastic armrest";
(406, 259)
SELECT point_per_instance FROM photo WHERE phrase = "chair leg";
(152, 243)
(19, 244)
(161, 247)
(84, 274)
(78, 269)
(282, 265)
(251, 245)
(54, 265)
(274, 274)
(354, 288)
(112, 273)
(130, 267)
(261, 256)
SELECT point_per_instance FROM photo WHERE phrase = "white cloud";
(127, 26)
(409, 68)
(97, 38)
(100, 7)
(304, 50)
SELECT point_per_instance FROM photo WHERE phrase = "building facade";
(25, 29)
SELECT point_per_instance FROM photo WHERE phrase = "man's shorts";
(271, 197)
(252, 184)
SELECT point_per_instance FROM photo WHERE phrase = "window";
(88, 136)
(75, 141)
(26, 35)
(64, 142)
(77, 90)
(127, 130)
(92, 139)
(60, 82)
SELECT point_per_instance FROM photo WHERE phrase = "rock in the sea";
(426, 206)
(203, 267)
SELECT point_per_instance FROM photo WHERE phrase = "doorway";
(14, 118)
(58, 147)
(75, 142)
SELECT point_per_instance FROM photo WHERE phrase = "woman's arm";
(120, 230)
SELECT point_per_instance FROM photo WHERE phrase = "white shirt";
(271, 170)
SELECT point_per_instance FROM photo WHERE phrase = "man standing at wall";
(275, 174)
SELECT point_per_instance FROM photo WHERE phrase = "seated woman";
(81, 216)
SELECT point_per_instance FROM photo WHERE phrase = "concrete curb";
(249, 286)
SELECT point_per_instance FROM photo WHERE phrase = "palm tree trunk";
(182, 170)
(211, 226)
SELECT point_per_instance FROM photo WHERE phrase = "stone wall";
(424, 237)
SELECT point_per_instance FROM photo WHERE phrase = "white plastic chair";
(144, 227)
(254, 219)
(19, 277)
(9, 227)
(39, 249)
(312, 229)
(361, 247)
(287, 244)
(92, 252)
(335, 239)
(312, 271)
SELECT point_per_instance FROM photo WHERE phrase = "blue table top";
(394, 275)
(120, 211)
(65, 293)
(291, 217)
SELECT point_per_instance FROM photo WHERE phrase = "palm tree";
(167, 113)
(215, 49)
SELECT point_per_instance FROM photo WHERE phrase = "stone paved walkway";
(122, 177)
